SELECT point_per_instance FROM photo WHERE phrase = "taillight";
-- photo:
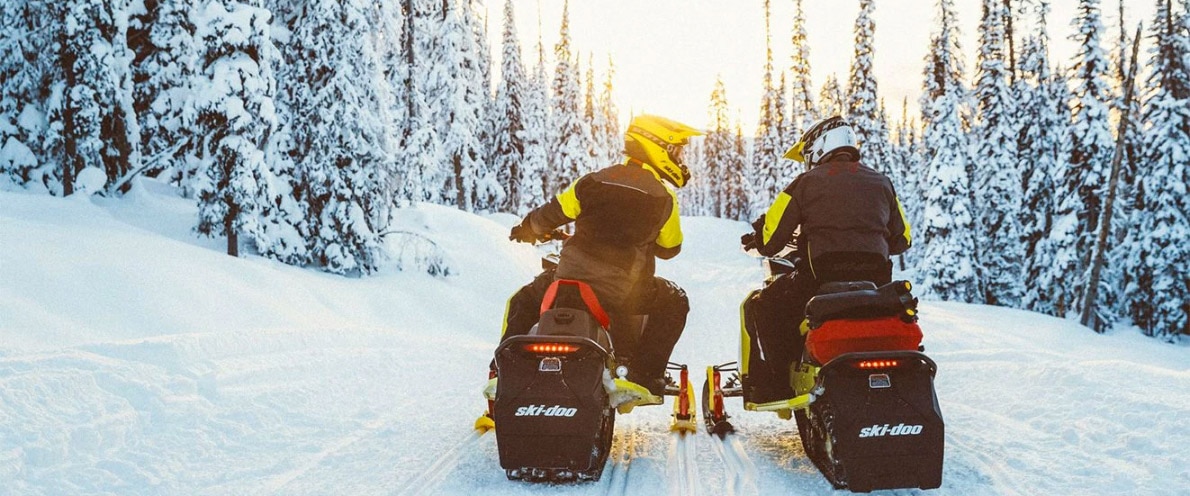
(551, 348)
(876, 364)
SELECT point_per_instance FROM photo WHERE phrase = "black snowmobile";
(559, 389)
(864, 403)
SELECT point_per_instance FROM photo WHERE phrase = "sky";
(667, 53)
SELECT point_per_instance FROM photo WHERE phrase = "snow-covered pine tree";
(164, 72)
(1080, 190)
(1159, 297)
(342, 145)
(235, 115)
(693, 197)
(736, 203)
(1123, 241)
(389, 40)
(831, 100)
(33, 81)
(766, 169)
(508, 133)
(997, 180)
(722, 179)
(606, 126)
(907, 175)
(1042, 103)
(461, 100)
(862, 104)
(489, 193)
(802, 111)
(569, 157)
(98, 119)
(947, 266)
(537, 138)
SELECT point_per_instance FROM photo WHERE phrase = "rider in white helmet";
(847, 220)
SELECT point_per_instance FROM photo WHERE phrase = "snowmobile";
(865, 406)
(555, 391)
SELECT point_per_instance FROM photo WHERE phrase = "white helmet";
(825, 140)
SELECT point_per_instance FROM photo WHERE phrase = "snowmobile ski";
(683, 416)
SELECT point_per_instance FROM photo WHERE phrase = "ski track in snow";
(198, 373)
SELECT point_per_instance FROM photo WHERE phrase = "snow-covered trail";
(137, 360)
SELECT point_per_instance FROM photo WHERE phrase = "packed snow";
(137, 358)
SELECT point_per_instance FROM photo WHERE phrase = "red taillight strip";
(877, 364)
(551, 348)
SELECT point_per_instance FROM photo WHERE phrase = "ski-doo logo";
(886, 430)
(543, 411)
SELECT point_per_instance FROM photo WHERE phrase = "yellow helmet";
(657, 142)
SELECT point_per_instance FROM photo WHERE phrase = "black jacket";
(624, 217)
(841, 206)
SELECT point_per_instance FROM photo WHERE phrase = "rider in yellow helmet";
(625, 216)
(845, 220)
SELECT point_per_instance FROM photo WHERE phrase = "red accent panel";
(836, 337)
(585, 291)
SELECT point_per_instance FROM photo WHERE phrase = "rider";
(850, 221)
(624, 215)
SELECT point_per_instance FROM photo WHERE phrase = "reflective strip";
(904, 220)
(569, 201)
(507, 307)
(671, 233)
(773, 217)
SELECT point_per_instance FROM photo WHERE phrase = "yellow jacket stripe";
(773, 218)
(569, 200)
(905, 220)
(671, 233)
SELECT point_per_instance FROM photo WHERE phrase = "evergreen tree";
(862, 104)
(766, 148)
(342, 147)
(569, 157)
(831, 101)
(537, 137)
(737, 191)
(99, 126)
(163, 73)
(30, 151)
(722, 179)
(1080, 191)
(509, 130)
(235, 116)
(997, 178)
(1159, 296)
(947, 265)
(606, 126)
(1043, 110)
(489, 193)
(1124, 239)
(802, 112)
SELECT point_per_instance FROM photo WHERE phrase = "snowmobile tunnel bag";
(888, 427)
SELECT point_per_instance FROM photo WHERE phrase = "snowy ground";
(138, 359)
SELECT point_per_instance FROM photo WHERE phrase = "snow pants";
(774, 315)
(645, 351)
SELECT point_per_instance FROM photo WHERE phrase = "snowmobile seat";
(860, 300)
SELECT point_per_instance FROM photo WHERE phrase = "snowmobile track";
(281, 481)
(740, 471)
(425, 482)
(682, 468)
(617, 475)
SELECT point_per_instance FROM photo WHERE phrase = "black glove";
(748, 242)
(523, 233)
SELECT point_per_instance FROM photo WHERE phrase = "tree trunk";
(1090, 317)
(70, 162)
(233, 238)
